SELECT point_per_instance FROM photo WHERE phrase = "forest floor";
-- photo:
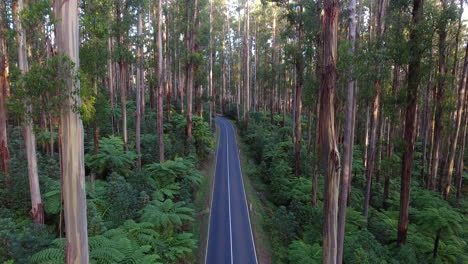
(202, 200)
(258, 212)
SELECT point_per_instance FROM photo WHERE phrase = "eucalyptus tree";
(37, 210)
(161, 80)
(4, 90)
(349, 136)
(73, 186)
(414, 79)
(327, 132)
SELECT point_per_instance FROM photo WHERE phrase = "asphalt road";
(230, 238)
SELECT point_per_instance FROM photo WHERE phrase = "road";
(230, 238)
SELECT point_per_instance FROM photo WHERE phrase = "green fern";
(301, 252)
(111, 157)
(52, 201)
(48, 255)
(166, 214)
(176, 248)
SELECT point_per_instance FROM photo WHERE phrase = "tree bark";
(161, 79)
(375, 112)
(438, 97)
(348, 139)
(327, 135)
(298, 99)
(73, 190)
(247, 68)
(192, 49)
(139, 83)
(4, 90)
(37, 211)
(210, 74)
(414, 79)
(459, 172)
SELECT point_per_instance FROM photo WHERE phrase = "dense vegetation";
(134, 216)
(437, 232)
(355, 115)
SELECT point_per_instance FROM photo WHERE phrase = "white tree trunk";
(37, 211)
(73, 186)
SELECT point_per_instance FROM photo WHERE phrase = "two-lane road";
(230, 239)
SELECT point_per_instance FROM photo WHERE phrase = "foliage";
(111, 157)
(166, 215)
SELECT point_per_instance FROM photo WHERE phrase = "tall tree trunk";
(461, 155)
(4, 90)
(274, 68)
(309, 128)
(123, 101)
(414, 79)
(348, 139)
(37, 211)
(73, 190)
(247, 67)
(316, 154)
(210, 74)
(375, 112)
(458, 123)
(298, 99)
(371, 148)
(191, 47)
(139, 83)
(161, 79)
(111, 83)
(327, 135)
(439, 95)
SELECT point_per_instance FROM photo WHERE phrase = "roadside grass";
(202, 199)
(259, 209)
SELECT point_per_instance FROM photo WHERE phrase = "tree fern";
(111, 157)
(301, 252)
(48, 255)
(166, 214)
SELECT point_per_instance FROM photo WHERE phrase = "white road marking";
(245, 197)
(229, 195)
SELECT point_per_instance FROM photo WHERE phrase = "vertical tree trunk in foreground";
(73, 190)
(161, 79)
(37, 211)
(414, 79)
(348, 139)
(327, 135)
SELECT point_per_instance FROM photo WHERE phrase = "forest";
(350, 116)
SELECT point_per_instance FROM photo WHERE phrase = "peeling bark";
(327, 134)
(73, 185)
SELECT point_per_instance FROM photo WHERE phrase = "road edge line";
(212, 193)
(245, 195)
